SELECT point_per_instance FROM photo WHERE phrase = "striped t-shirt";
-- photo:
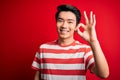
(57, 62)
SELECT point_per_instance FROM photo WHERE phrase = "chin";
(63, 37)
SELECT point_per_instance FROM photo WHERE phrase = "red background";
(25, 24)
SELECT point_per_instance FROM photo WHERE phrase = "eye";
(70, 22)
(59, 20)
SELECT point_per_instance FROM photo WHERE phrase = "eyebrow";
(67, 19)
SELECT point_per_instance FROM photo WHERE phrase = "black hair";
(67, 7)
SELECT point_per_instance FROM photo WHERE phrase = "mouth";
(64, 31)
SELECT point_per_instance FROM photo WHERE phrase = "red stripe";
(44, 50)
(37, 60)
(63, 72)
(63, 61)
(56, 43)
(34, 68)
(91, 65)
(88, 59)
(87, 50)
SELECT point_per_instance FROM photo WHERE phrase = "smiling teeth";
(64, 30)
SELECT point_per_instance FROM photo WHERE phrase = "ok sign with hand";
(89, 33)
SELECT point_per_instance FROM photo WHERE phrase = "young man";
(66, 58)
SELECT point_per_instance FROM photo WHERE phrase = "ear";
(77, 26)
(75, 29)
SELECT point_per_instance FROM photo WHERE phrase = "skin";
(90, 36)
(37, 74)
(66, 26)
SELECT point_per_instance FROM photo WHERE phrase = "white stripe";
(35, 64)
(61, 56)
(63, 77)
(63, 66)
(37, 55)
(90, 62)
(63, 48)
(87, 55)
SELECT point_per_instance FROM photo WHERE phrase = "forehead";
(67, 15)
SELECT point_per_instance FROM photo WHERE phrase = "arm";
(37, 74)
(101, 67)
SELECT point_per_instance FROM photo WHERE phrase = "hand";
(89, 33)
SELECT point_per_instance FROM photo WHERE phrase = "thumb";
(78, 29)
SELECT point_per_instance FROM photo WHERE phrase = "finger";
(79, 32)
(78, 28)
(86, 18)
(94, 20)
(91, 17)
(81, 25)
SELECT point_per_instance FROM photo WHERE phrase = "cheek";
(58, 25)
(73, 27)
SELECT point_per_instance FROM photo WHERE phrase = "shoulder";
(82, 44)
(48, 44)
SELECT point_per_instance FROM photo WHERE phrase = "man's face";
(66, 24)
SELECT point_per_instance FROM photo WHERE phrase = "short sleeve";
(89, 58)
(36, 61)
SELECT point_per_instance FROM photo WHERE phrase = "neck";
(64, 42)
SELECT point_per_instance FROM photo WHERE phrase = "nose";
(65, 25)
